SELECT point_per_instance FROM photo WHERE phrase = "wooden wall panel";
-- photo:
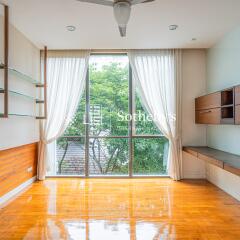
(14, 164)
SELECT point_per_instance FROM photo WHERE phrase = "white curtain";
(66, 73)
(157, 75)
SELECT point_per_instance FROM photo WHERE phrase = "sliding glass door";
(111, 134)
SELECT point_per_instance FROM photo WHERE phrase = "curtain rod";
(113, 50)
(121, 51)
(93, 50)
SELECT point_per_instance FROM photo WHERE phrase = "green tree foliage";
(109, 90)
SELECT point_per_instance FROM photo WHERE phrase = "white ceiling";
(44, 23)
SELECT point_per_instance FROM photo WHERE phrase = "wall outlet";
(29, 169)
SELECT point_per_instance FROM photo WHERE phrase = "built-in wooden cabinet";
(208, 109)
(222, 107)
(209, 101)
(237, 105)
(237, 114)
(227, 106)
(237, 95)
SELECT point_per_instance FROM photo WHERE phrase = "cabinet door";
(237, 114)
(209, 101)
(210, 116)
(237, 95)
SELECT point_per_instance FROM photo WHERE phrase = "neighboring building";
(74, 160)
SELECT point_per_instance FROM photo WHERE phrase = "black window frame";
(131, 128)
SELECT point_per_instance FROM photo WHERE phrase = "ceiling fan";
(121, 10)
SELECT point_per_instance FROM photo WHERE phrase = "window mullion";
(87, 119)
(130, 123)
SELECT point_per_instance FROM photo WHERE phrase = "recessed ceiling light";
(71, 28)
(173, 27)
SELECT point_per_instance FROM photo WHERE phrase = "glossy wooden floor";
(121, 209)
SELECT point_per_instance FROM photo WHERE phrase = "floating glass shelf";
(23, 76)
(24, 95)
(22, 115)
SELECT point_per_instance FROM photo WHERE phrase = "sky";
(101, 60)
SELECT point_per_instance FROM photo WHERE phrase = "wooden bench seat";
(227, 161)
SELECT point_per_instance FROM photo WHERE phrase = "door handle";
(204, 112)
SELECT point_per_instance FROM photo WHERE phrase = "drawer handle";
(205, 112)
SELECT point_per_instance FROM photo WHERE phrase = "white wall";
(24, 56)
(194, 85)
(223, 71)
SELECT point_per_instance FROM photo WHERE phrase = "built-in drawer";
(209, 101)
(209, 116)
(237, 114)
(237, 95)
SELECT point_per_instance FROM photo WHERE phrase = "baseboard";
(8, 196)
(194, 175)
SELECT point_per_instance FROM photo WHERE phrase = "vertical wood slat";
(14, 164)
(237, 95)
(44, 85)
(237, 114)
(6, 39)
(45, 82)
(5, 64)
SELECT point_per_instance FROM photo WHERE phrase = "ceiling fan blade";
(122, 31)
(100, 2)
(133, 2)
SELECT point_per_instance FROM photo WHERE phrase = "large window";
(111, 133)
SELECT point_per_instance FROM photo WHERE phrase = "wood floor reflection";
(121, 209)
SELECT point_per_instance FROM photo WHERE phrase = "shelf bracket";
(40, 101)
(40, 85)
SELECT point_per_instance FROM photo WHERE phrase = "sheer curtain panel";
(157, 75)
(66, 74)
